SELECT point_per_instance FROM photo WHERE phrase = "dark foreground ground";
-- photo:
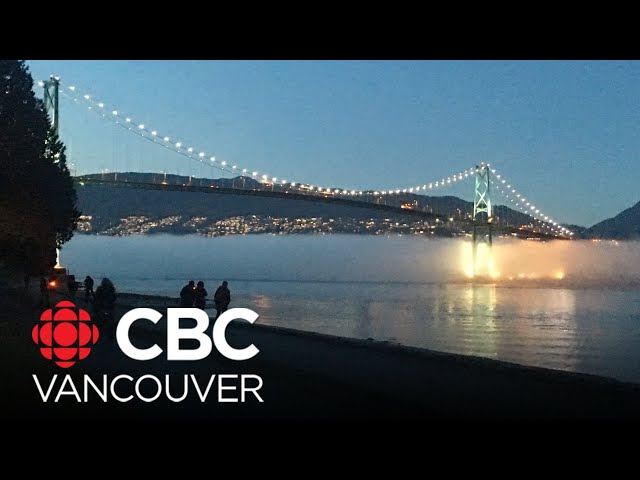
(306, 376)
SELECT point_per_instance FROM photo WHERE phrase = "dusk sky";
(564, 133)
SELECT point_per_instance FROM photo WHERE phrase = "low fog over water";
(566, 305)
(412, 259)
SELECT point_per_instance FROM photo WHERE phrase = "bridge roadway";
(289, 194)
(319, 198)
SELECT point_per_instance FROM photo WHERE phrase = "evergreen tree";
(37, 196)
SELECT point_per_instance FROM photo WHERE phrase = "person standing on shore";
(187, 294)
(104, 303)
(44, 293)
(200, 295)
(222, 298)
(88, 288)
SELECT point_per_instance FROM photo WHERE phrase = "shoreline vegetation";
(312, 375)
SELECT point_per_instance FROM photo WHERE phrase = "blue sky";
(565, 133)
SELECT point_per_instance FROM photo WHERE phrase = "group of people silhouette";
(193, 295)
(104, 298)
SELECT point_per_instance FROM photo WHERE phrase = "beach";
(305, 376)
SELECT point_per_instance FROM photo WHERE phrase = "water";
(409, 290)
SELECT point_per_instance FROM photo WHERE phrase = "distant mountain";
(108, 204)
(624, 226)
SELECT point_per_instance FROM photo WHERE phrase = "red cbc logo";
(65, 334)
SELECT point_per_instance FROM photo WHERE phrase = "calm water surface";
(409, 290)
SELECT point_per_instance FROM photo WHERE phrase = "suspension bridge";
(486, 181)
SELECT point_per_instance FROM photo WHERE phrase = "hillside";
(108, 205)
(625, 225)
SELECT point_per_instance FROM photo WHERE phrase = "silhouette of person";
(44, 293)
(88, 288)
(72, 285)
(200, 296)
(104, 302)
(187, 294)
(222, 298)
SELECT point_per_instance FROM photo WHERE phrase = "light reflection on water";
(386, 289)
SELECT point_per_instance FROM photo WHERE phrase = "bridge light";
(178, 144)
(141, 126)
(115, 112)
(283, 182)
(201, 154)
(213, 159)
(234, 167)
(293, 184)
(166, 139)
(264, 177)
(353, 192)
(411, 189)
(244, 170)
(128, 120)
(430, 185)
(71, 87)
(101, 105)
(87, 97)
(397, 191)
(154, 133)
(223, 163)
(190, 149)
(253, 174)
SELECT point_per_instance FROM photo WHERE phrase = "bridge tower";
(482, 212)
(51, 88)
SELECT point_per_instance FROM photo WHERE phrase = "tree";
(37, 197)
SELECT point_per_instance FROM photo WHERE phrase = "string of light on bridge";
(146, 132)
(520, 202)
(152, 135)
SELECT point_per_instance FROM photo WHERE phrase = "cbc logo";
(65, 334)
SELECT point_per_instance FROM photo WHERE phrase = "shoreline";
(307, 375)
(150, 301)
